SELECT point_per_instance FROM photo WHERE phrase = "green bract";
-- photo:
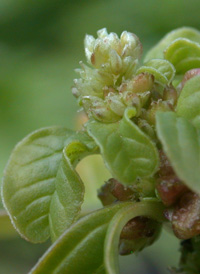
(162, 70)
(144, 120)
(128, 153)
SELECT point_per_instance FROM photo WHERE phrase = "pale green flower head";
(110, 51)
(114, 80)
(112, 61)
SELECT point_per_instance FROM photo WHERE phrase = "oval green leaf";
(29, 181)
(185, 32)
(162, 70)
(181, 143)
(127, 152)
(80, 248)
(35, 183)
(69, 194)
(150, 208)
(183, 54)
(188, 105)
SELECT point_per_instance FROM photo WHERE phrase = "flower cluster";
(113, 82)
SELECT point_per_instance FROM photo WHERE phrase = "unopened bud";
(89, 45)
(170, 189)
(113, 191)
(139, 84)
(131, 45)
(186, 216)
(137, 234)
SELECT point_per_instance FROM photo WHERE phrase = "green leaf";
(128, 153)
(188, 105)
(150, 208)
(29, 181)
(185, 32)
(80, 248)
(7, 230)
(181, 143)
(41, 189)
(162, 70)
(68, 197)
(183, 54)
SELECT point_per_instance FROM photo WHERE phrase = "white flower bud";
(131, 45)
(100, 53)
(115, 103)
(102, 33)
(115, 62)
(89, 44)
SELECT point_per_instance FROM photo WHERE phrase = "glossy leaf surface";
(162, 70)
(189, 101)
(126, 150)
(181, 143)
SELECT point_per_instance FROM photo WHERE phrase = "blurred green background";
(41, 43)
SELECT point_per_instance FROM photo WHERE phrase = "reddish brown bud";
(114, 191)
(186, 216)
(121, 192)
(138, 233)
(136, 228)
(170, 190)
(165, 168)
(105, 195)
